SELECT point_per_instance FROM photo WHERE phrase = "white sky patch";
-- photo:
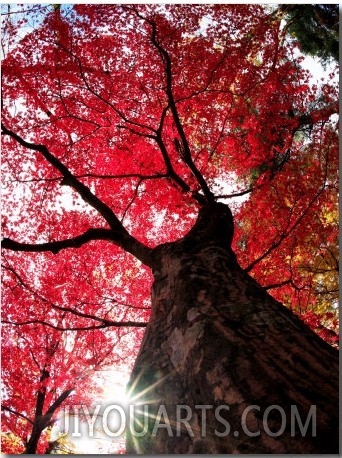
(96, 434)
(68, 201)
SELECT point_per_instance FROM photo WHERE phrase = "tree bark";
(220, 345)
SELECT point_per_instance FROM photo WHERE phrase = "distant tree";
(316, 27)
(42, 370)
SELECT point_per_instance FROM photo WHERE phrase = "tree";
(315, 27)
(42, 370)
(117, 165)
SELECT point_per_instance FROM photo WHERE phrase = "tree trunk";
(223, 367)
(32, 443)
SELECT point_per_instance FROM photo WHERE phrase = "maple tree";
(122, 125)
(42, 368)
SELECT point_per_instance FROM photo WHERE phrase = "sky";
(97, 435)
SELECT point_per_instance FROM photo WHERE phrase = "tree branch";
(8, 409)
(56, 247)
(315, 116)
(59, 401)
(290, 228)
(186, 153)
(105, 324)
(237, 194)
(278, 285)
(120, 235)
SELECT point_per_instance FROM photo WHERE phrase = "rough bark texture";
(216, 338)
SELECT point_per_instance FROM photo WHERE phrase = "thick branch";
(69, 179)
(41, 393)
(186, 153)
(57, 404)
(56, 247)
(120, 235)
(171, 173)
